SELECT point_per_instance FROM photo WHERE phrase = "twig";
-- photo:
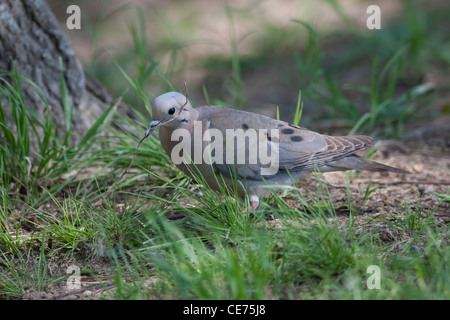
(145, 136)
(123, 173)
(179, 112)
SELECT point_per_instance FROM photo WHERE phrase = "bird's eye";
(172, 110)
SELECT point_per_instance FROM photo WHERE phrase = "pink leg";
(254, 203)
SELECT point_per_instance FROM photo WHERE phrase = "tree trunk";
(30, 39)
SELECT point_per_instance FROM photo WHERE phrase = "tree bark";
(30, 39)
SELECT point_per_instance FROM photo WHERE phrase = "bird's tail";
(355, 162)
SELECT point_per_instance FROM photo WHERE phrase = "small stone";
(87, 293)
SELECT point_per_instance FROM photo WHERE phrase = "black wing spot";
(287, 131)
(296, 138)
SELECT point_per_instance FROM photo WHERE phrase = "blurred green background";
(257, 55)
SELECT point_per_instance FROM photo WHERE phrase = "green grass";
(26, 269)
(159, 234)
(20, 168)
(216, 252)
(444, 196)
(308, 255)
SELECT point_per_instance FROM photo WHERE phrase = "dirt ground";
(429, 164)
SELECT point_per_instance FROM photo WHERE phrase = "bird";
(231, 148)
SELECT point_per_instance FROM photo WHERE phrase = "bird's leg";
(254, 203)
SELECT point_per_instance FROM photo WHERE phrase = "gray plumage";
(300, 151)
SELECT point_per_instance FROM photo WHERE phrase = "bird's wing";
(298, 148)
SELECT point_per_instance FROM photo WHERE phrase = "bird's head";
(171, 109)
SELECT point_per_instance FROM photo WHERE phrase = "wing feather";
(299, 148)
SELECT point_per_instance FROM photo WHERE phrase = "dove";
(224, 145)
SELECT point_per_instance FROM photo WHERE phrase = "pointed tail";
(355, 162)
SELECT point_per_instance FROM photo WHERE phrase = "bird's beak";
(151, 127)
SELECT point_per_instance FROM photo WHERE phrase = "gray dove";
(224, 145)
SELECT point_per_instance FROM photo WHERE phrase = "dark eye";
(172, 110)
